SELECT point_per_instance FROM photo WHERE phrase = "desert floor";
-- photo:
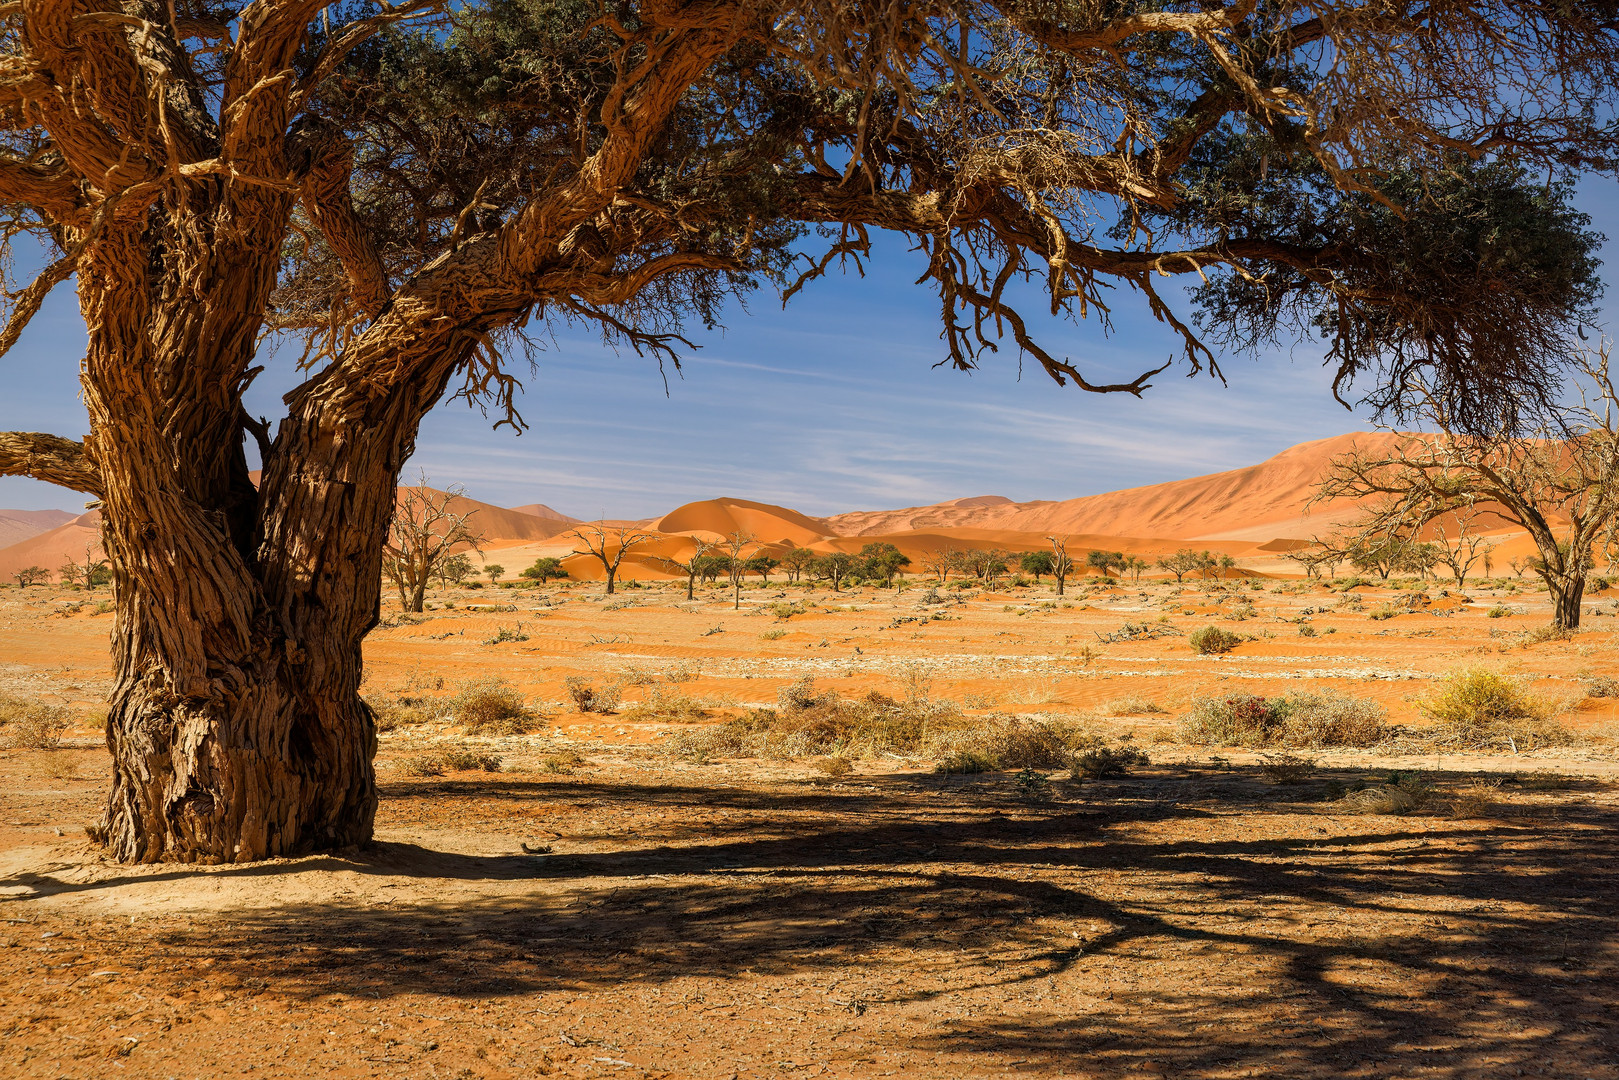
(643, 914)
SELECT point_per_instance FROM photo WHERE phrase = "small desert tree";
(544, 569)
(882, 561)
(1461, 543)
(426, 530)
(762, 565)
(795, 560)
(32, 575)
(1105, 562)
(1183, 562)
(1035, 563)
(608, 545)
(691, 566)
(1558, 481)
(1135, 566)
(735, 548)
(940, 561)
(494, 572)
(835, 567)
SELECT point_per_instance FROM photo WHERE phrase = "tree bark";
(1567, 593)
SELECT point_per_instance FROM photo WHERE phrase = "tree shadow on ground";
(1493, 944)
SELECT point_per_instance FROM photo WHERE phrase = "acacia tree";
(402, 191)
(736, 546)
(423, 535)
(691, 566)
(1559, 483)
(609, 546)
(1460, 543)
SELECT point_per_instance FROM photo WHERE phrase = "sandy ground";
(645, 916)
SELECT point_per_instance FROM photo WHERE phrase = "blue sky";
(827, 406)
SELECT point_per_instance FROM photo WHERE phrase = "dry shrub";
(492, 707)
(665, 708)
(1213, 641)
(965, 762)
(808, 723)
(403, 712)
(588, 699)
(1130, 705)
(562, 762)
(1481, 798)
(1480, 709)
(1285, 768)
(833, 766)
(1545, 780)
(1106, 762)
(422, 765)
(1403, 793)
(1297, 721)
(470, 761)
(31, 726)
(1033, 786)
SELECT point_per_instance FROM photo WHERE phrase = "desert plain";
(656, 889)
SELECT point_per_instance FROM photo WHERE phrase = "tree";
(710, 567)
(690, 566)
(92, 573)
(424, 532)
(31, 575)
(69, 572)
(795, 560)
(1460, 543)
(1183, 562)
(452, 571)
(493, 571)
(544, 569)
(398, 190)
(1061, 564)
(882, 561)
(1135, 566)
(1559, 481)
(1104, 561)
(834, 567)
(762, 565)
(736, 546)
(1035, 563)
(941, 561)
(609, 545)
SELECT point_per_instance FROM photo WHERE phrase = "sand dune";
(53, 548)
(541, 510)
(721, 517)
(18, 525)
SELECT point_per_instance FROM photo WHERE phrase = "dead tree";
(736, 564)
(424, 534)
(1061, 564)
(609, 546)
(402, 188)
(1461, 544)
(1559, 482)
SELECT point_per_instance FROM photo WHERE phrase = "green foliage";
(1476, 708)
(544, 569)
(1213, 641)
(1106, 762)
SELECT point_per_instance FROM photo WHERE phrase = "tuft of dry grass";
(1406, 793)
(402, 712)
(492, 707)
(565, 761)
(1105, 762)
(1479, 799)
(833, 766)
(1130, 705)
(31, 725)
(665, 708)
(1286, 768)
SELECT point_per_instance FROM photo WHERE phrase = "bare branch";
(50, 458)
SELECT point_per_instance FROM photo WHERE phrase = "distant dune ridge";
(1254, 513)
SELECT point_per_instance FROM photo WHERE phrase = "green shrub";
(469, 761)
(1213, 641)
(772, 635)
(1499, 611)
(1033, 786)
(1476, 708)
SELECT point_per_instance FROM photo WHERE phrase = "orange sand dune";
(1257, 503)
(51, 549)
(18, 525)
(541, 510)
(721, 517)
